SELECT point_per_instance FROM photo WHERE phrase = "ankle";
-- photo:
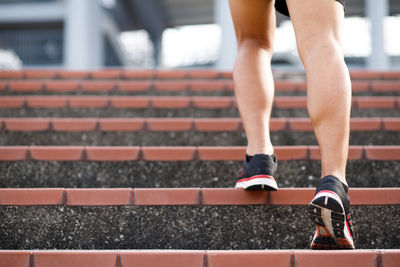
(268, 150)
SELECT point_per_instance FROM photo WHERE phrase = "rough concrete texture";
(187, 138)
(170, 113)
(184, 227)
(180, 93)
(302, 173)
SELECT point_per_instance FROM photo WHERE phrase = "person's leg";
(318, 27)
(254, 23)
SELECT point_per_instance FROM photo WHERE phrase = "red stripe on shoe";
(255, 177)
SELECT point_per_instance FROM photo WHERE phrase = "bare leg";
(318, 27)
(254, 87)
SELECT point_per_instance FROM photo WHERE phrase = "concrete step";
(200, 258)
(150, 174)
(190, 218)
(181, 138)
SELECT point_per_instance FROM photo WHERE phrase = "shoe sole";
(327, 213)
(258, 182)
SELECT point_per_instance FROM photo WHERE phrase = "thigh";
(254, 19)
(316, 22)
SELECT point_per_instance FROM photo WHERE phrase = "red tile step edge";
(183, 196)
(199, 258)
(207, 102)
(180, 153)
(115, 73)
(180, 124)
(173, 85)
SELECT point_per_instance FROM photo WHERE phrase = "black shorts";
(281, 6)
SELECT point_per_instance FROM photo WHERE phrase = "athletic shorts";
(281, 6)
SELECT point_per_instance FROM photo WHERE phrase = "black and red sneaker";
(258, 173)
(330, 212)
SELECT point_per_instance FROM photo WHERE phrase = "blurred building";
(86, 34)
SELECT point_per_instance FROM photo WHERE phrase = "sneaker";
(258, 173)
(330, 212)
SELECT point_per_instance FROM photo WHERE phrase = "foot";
(330, 212)
(258, 173)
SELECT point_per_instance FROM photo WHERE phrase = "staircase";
(136, 168)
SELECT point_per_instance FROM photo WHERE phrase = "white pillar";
(83, 36)
(227, 54)
(376, 11)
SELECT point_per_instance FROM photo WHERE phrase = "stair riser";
(184, 227)
(299, 173)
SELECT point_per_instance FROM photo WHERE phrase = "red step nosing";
(27, 124)
(382, 102)
(138, 74)
(47, 101)
(391, 124)
(203, 74)
(106, 74)
(382, 152)
(122, 124)
(166, 196)
(13, 153)
(25, 86)
(134, 86)
(15, 258)
(12, 101)
(113, 153)
(170, 102)
(390, 257)
(97, 85)
(62, 86)
(64, 74)
(99, 197)
(171, 85)
(166, 258)
(208, 85)
(31, 196)
(130, 102)
(185, 196)
(74, 258)
(366, 75)
(41, 74)
(169, 124)
(165, 153)
(12, 74)
(171, 74)
(88, 101)
(228, 153)
(291, 152)
(56, 153)
(365, 124)
(200, 258)
(233, 196)
(306, 258)
(217, 124)
(253, 258)
(74, 124)
(385, 86)
(212, 102)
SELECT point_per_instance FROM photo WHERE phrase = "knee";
(251, 43)
(312, 49)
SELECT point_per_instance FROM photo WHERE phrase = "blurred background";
(95, 34)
